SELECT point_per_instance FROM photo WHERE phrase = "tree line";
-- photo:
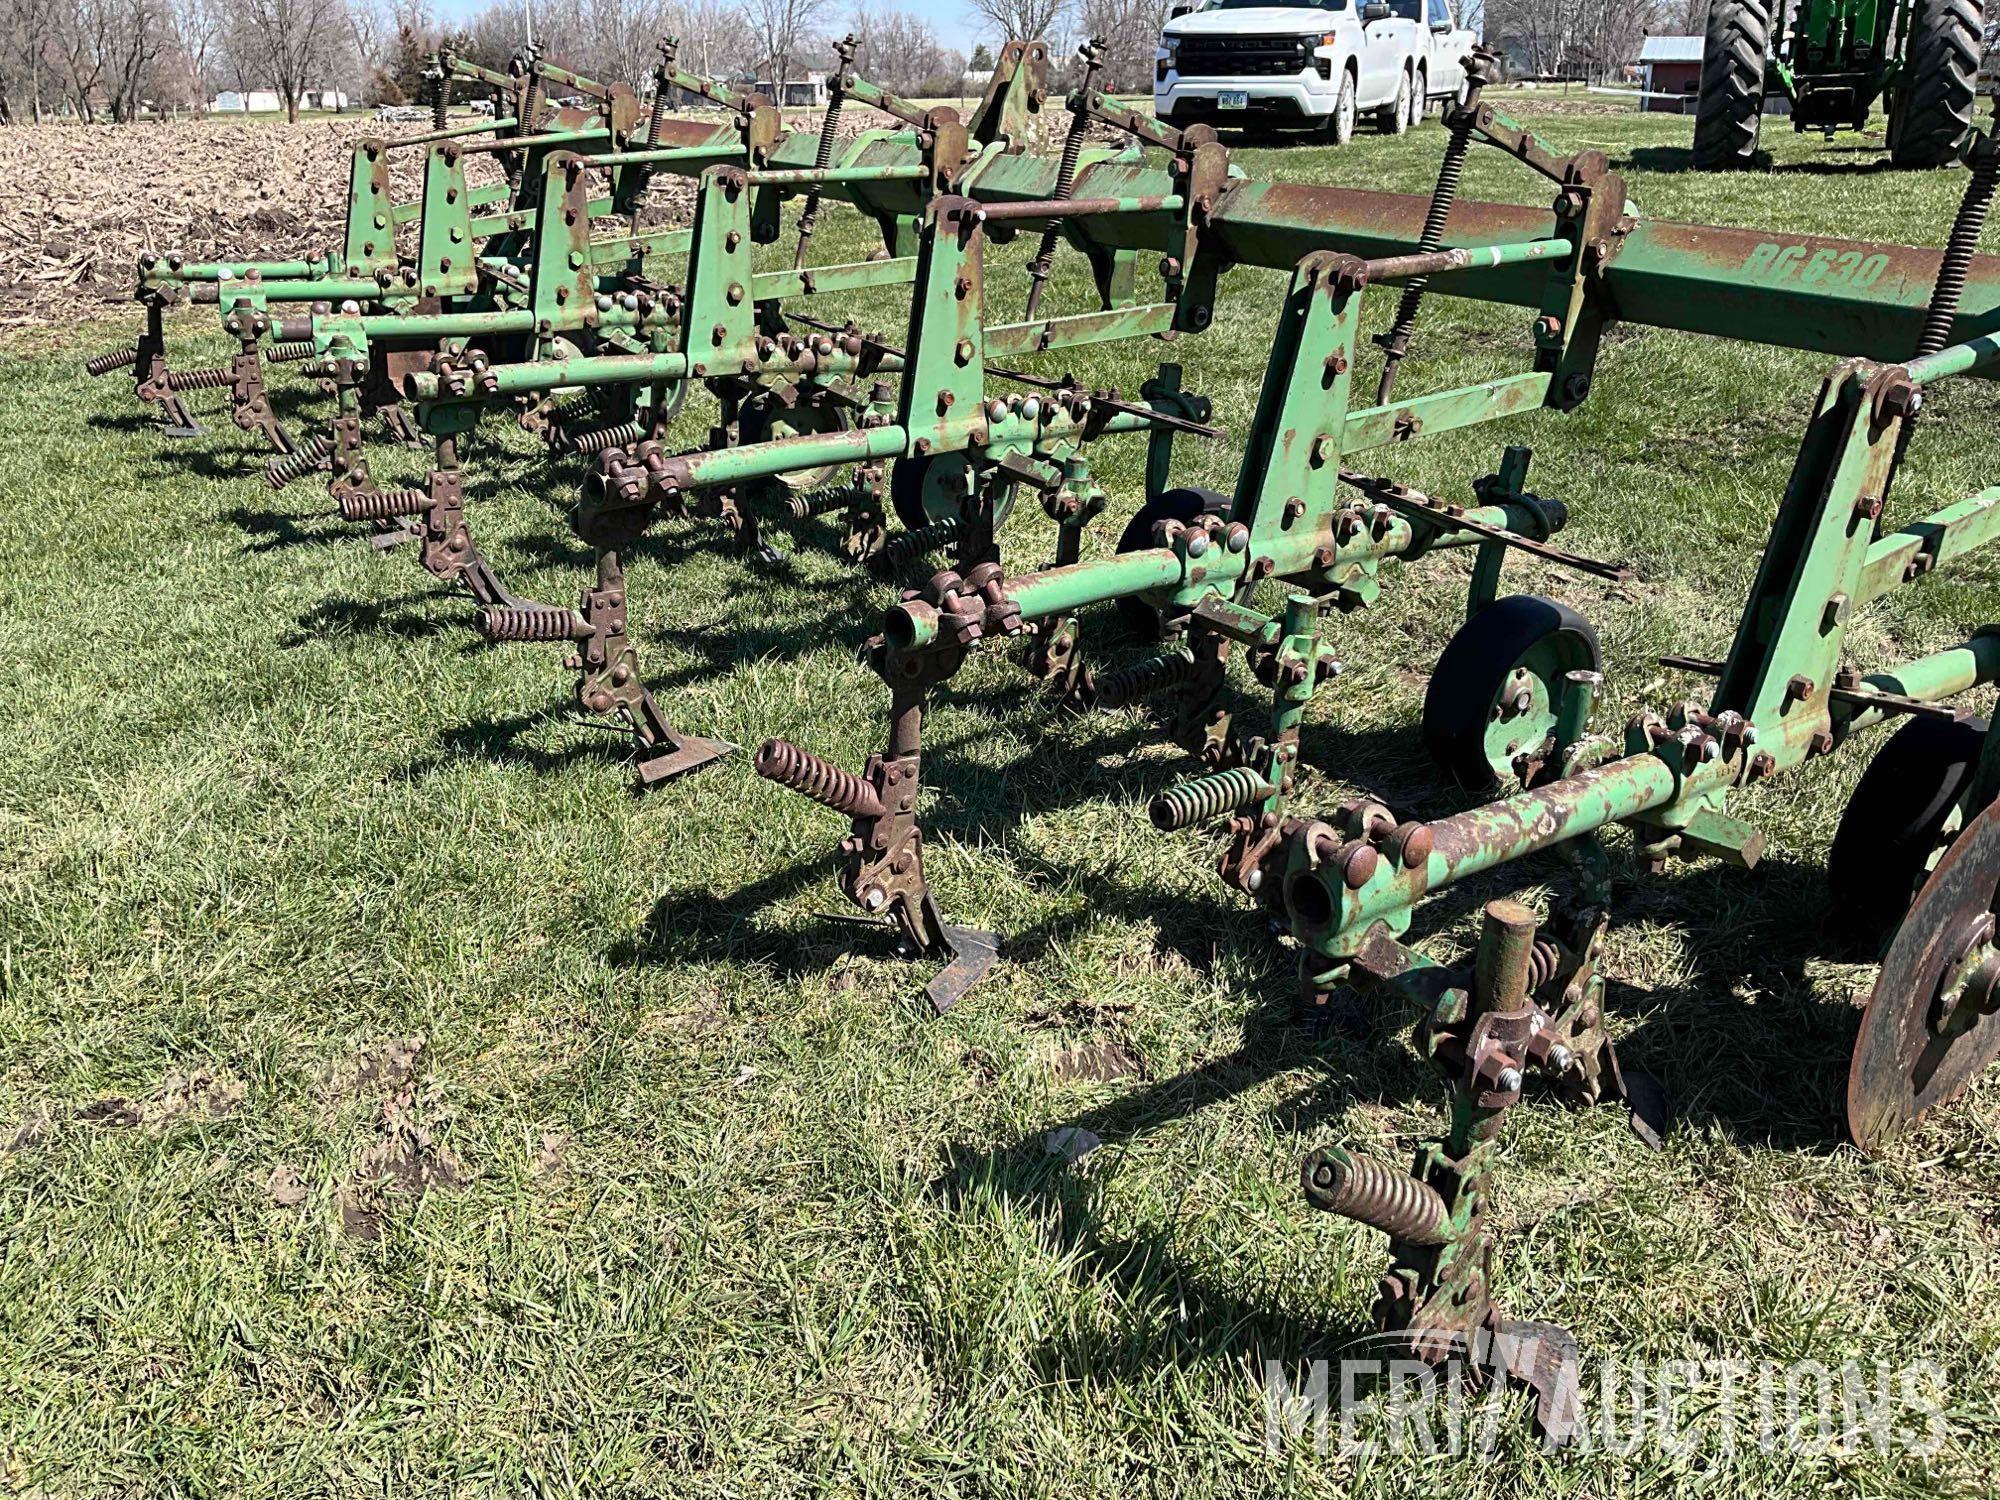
(119, 59)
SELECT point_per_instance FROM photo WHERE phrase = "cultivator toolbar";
(931, 427)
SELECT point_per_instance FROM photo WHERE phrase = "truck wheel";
(1933, 114)
(1394, 118)
(1730, 113)
(1420, 100)
(1340, 124)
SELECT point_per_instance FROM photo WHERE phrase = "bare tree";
(1131, 33)
(196, 28)
(1572, 38)
(1024, 20)
(899, 50)
(291, 44)
(25, 57)
(715, 36)
(783, 29)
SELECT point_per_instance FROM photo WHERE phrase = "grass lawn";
(390, 1102)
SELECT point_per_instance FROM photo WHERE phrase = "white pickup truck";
(1315, 65)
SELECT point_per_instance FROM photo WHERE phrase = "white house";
(267, 101)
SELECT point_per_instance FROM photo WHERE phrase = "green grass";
(714, 1207)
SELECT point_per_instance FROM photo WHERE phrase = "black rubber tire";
(671, 407)
(1473, 667)
(906, 487)
(1729, 115)
(756, 424)
(1181, 505)
(1894, 824)
(1938, 105)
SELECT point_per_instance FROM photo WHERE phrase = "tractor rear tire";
(1940, 61)
(1730, 113)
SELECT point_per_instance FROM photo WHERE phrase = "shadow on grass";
(1670, 160)
(275, 530)
(398, 618)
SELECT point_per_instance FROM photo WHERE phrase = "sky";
(957, 24)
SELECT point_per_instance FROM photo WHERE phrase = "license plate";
(1233, 99)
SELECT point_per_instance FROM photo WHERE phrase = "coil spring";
(528, 622)
(531, 106)
(382, 505)
(116, 359)
(583, 404)
(822, 159)
(1373, 1193)
(1543, 963)
(804, 507)
(909, 545)
(1044, 261)
(1443, 196)
(286, 467)
(285, 353)
(198, 380)
(1207, 797)
(440, 98)
(1116, 689)
(1958, 253)
(810, 776)
(596, 439)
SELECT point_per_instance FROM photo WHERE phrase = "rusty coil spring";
(1372, 1193)
(1044, 258)
(827, 784)
(582, 404)
(382, 505)
(287, 352)
(286, 467)
(803, 507)
(1958, 253)
(1543, 963)
(440, 98)
(116, 359)
(1404, 326)
(1207, 797)
(528, 622)
(590, 440)
(212, 379)
(822, 159)
(909, 545)
(1116, 689)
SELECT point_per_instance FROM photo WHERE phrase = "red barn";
(1671, 67)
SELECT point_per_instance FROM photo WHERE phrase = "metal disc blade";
(1902, 1066)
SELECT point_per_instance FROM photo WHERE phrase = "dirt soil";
(79, 202)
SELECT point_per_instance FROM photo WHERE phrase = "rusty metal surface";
(1933, 1019)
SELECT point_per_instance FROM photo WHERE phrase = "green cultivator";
(933, 425)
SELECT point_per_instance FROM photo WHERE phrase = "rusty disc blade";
(1904, 1065)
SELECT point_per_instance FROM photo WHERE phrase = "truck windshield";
(1333, 5)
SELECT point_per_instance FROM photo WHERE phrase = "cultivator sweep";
(931, 425)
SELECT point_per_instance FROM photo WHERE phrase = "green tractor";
(1832, 59)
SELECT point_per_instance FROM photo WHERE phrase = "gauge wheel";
(1904, 810)
(1496, 688)
(1182, 505)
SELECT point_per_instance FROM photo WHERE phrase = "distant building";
(808, 92)
(268, 101)
(1670, 73)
